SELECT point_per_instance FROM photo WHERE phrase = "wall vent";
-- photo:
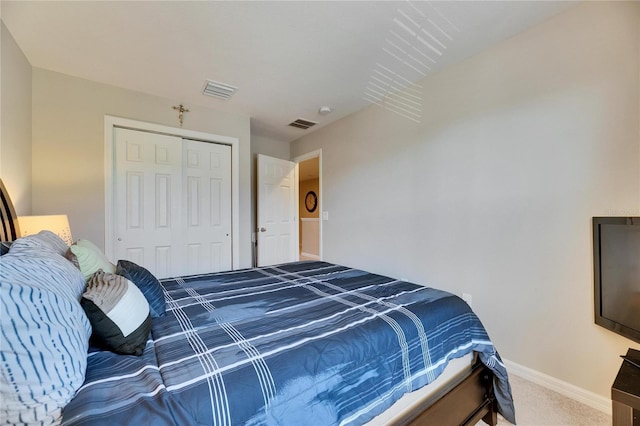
(218, 90)
(301, 123)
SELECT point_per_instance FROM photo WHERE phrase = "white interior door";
(277, 211)
(148, 200)
(207, 198)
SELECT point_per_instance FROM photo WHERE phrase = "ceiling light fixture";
(324, 110)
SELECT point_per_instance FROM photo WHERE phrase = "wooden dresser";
(625, 393)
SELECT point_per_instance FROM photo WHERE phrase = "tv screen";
(616, 253)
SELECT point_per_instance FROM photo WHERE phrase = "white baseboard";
(586, 397)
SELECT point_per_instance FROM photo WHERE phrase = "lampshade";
(58, 224)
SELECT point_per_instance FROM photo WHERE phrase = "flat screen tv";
(616, 259)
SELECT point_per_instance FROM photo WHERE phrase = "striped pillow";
(46, 240)
(119, 313)
(44, 335)
(53, 241)
(45, 269)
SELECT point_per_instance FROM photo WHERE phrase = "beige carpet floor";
(539, 406)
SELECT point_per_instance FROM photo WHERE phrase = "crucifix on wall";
(181, 110)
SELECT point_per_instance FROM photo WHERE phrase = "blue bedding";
(306, 343)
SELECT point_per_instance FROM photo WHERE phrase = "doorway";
(277, 211)
(310, 211)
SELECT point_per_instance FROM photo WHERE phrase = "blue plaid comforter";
(307, 343)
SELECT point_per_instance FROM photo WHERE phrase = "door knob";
(263, 229)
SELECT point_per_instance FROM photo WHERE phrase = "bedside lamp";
(58, 224)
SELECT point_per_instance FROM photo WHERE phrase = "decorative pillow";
(72, 258)
(147, 283)
(118, 312)
(53, 241)
(45, 240)
(91, 259)
(44, 336)
(4, 247)
(45, 268)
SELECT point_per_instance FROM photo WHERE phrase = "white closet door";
(207, 206)
(148, 200)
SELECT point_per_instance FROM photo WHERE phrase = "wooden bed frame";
(8, 220)
(464, 401)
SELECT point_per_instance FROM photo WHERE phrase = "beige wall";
(68, 147)
(271, 147)
(15, 117)
(493, 193)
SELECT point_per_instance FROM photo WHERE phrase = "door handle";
(262, 229)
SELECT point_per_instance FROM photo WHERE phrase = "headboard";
(8, 220)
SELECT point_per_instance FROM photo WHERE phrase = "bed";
(303, 343)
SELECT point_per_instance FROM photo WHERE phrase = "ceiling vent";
(218, 90)
(303, 124)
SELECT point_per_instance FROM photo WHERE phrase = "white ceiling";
(287, 58)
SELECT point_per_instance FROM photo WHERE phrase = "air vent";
(301, 123)
(218, 90)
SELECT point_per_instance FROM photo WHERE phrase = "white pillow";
(91, 259)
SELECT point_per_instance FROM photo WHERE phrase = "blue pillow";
(4, 247)
(44, 334)
(45, 267)
(147, 283)
(43, 240)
